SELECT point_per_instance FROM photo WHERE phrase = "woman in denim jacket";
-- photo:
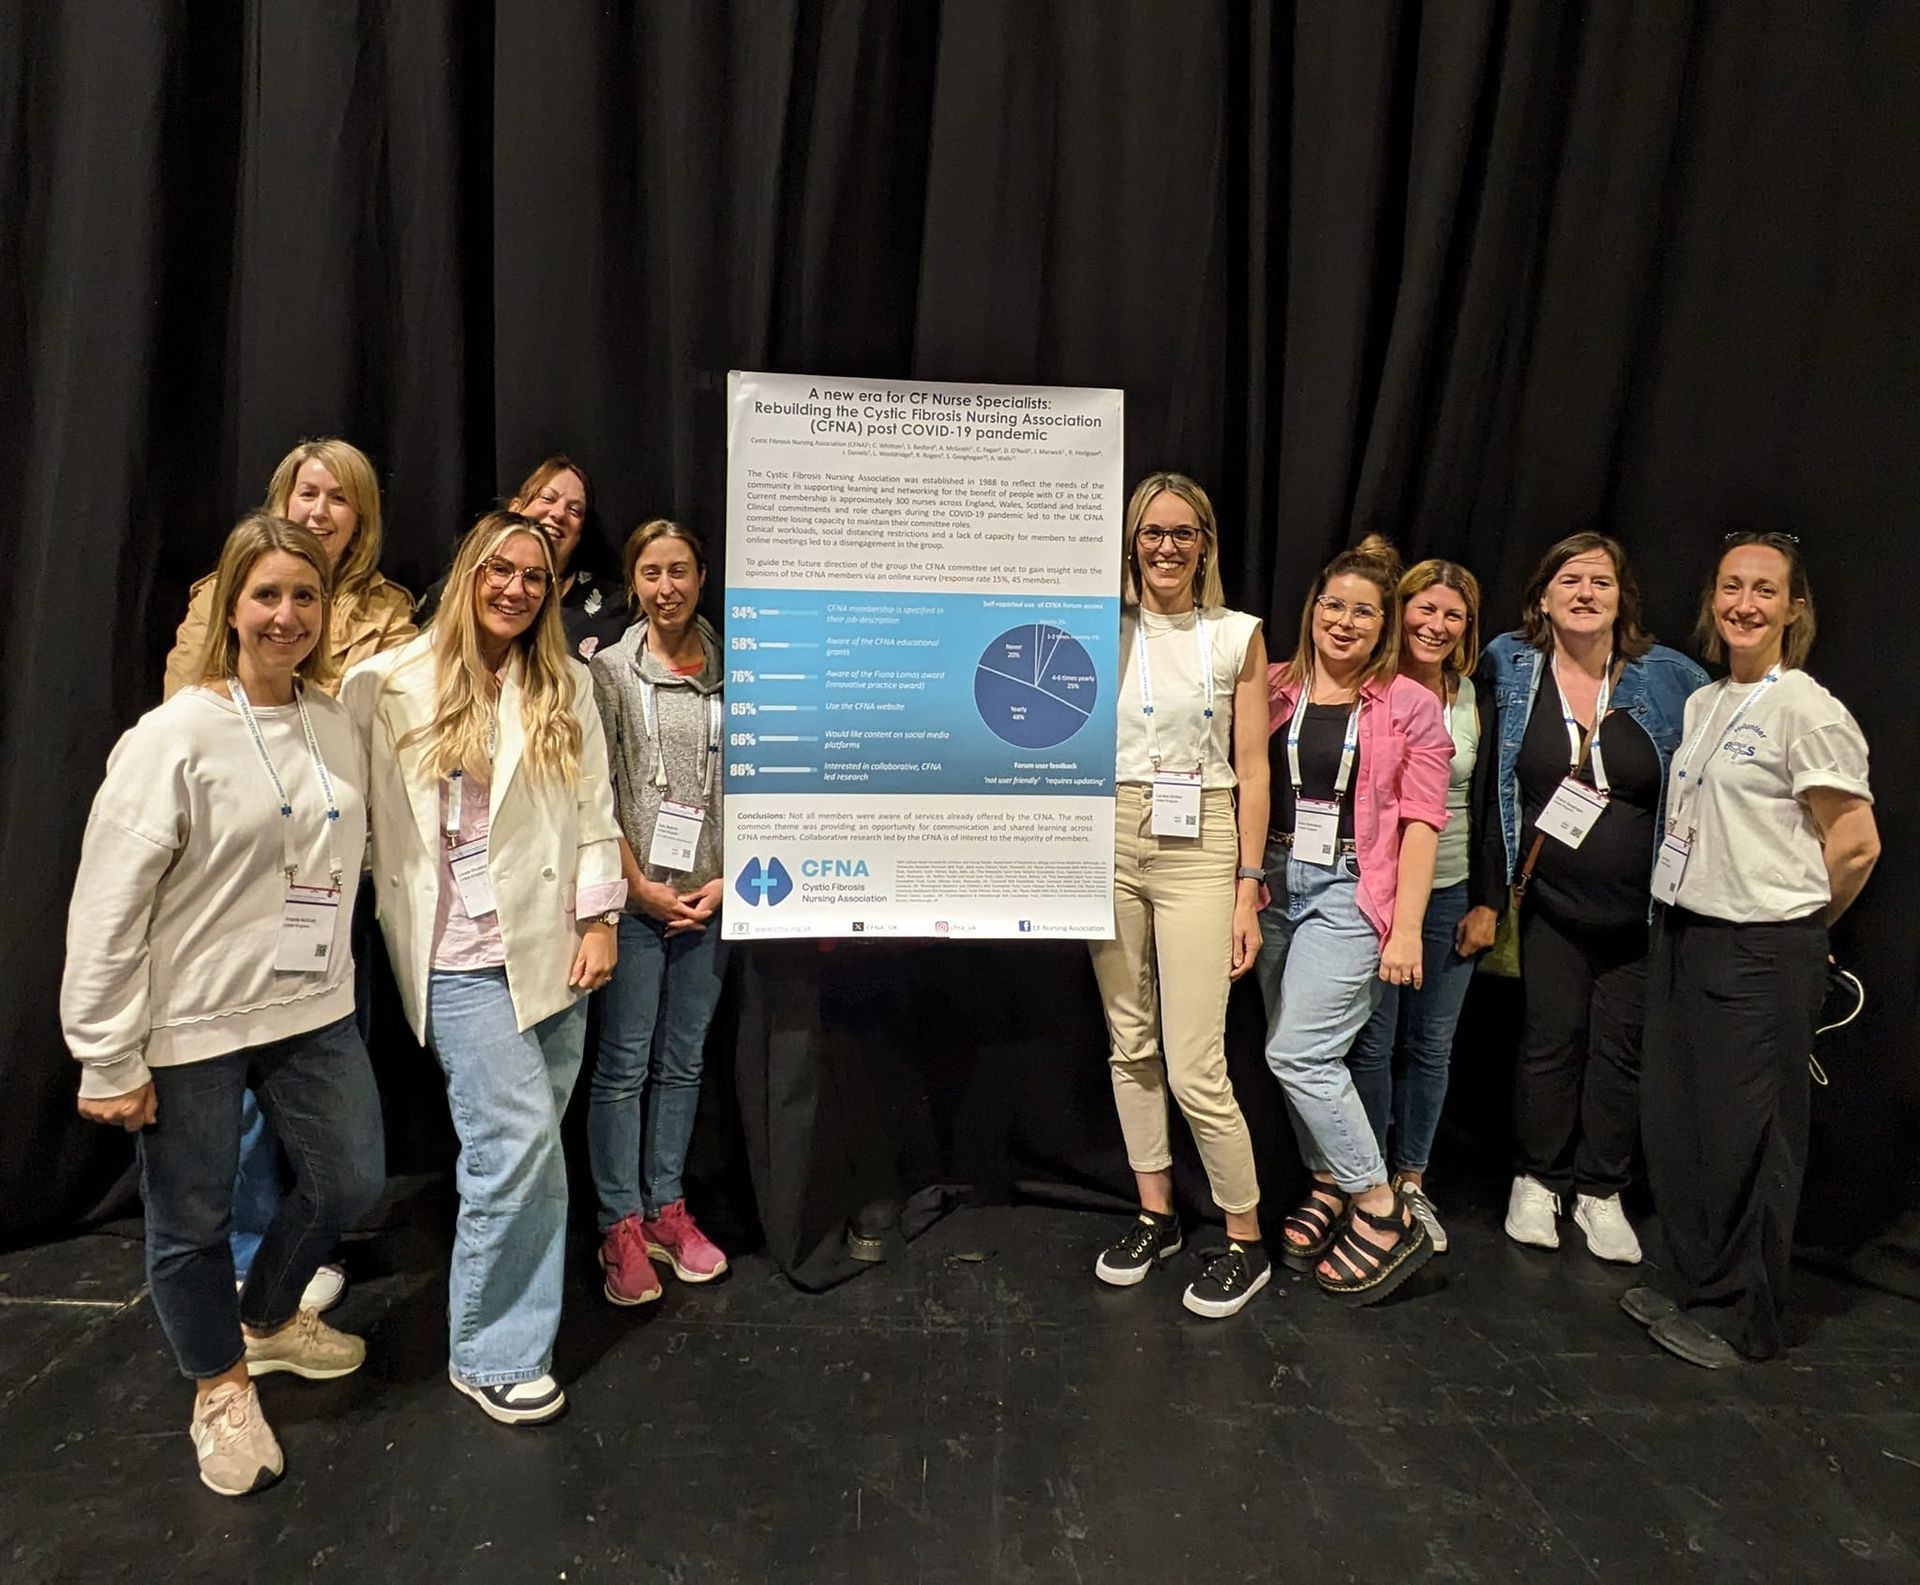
(1581, 653)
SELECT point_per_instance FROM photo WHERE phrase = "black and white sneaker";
(1232, 1277)
(517, 1402)
(1150, 1240)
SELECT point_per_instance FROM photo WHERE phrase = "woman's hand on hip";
(132, 1111)
(593, 962)
(1476, 931)
(1402, 960)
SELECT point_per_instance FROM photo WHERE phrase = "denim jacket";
(1653, 690)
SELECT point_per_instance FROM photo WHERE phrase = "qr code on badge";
(320, 953)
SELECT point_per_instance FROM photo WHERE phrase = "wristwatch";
(610, 917)
(1246, 872)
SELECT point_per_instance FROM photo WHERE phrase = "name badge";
(1176, 803)
(676, 836)
(307, 920)
(469, 864)
(1572, 812)
(1670, 867)
(1316, 831)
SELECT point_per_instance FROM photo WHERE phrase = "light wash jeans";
(507, 1090)
(1319, 972)
(654, 1016)
(1421, 1024)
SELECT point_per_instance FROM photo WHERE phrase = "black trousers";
(1576, 1094)
(1730, 1020)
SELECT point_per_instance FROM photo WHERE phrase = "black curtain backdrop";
(1472, 273)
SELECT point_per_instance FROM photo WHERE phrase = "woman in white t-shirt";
(1770, 835)
(1191, 824)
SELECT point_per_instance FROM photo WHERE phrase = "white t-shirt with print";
(1757, 853)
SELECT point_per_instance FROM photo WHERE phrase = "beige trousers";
(1164, 982)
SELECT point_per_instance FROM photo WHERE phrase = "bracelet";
(1247, 872)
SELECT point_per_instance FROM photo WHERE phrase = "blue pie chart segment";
(1035, 686)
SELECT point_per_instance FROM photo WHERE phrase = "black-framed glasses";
(500, 573)
(1182, 537)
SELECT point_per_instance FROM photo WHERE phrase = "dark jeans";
(1576, 1094)
(1419, 1025)
(317, 1091)
(1730, 1018)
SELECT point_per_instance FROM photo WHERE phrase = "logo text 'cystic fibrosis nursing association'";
(767, 883)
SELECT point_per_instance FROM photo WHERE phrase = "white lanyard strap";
(286, 804)
(1600, 703)
(456, 780)
(716, 720)
(1682, 786)
(1144, 667)
(1347, 748)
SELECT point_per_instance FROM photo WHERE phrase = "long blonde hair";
(353, 470)
(464, 708)
(1374, 559)
(255, 535)
(1208, 590)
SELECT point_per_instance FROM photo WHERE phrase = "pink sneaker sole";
(685, 1273)
(620, 1299)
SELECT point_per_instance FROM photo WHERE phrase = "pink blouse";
(1405, 752)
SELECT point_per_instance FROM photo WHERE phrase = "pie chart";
(1035, 686)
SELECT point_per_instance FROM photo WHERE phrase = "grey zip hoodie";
(681, 713)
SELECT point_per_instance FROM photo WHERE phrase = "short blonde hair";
(1207, 587)
(256, 535)
(361, 486)
(1422, 576)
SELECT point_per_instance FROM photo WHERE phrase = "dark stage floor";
(983, 1411)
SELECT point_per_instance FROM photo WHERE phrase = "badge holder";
(676, 836)
(1176, 803)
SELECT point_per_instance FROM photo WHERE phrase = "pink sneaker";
(631, 1278)
(672, 1237)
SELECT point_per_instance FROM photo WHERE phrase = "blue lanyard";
(1707, 733)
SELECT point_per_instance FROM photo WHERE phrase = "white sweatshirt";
(176, 909)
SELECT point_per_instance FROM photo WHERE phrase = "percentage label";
(742, 740)
(740, 707)
(739, 674)
(742, 642)
(743, 613)
(738, 771)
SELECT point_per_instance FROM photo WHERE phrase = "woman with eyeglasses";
(1588, 710)
(1768, 837)
(558, 496)
(1358, 757)
(330, 489)
(1190, 816)
(497, 866)
(1412, 1029)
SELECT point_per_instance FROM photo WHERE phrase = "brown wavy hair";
(1422, 576)
(1374, 559)
(255, 535)
(1630, 639)
(1797, 642)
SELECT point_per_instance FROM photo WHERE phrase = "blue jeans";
(1422, 1023)
(317, 1090)
(654, 1016)
(507, 1089)
(1319, 969)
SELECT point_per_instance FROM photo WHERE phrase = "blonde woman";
(1191, 812)
(1412, 1028)
(497, 868)
(208, 957)
(329, 488)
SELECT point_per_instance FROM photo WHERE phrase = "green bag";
(1503, 957)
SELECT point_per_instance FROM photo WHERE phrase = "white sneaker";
(1426, 1212)
(1531, 1209)
(516, 1402)
(1610, 1235)
(326, 1288)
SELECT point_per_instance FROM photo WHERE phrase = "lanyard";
(286, 804)
(1707, 734)
(450, 804)
(1600, 704)
(1347, 748)
(1144, 667)
(715, 717)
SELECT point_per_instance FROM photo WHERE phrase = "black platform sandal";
(1320, 1221)
(1369, 1273)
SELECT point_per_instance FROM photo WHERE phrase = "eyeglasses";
(1334, 609)
(1182, 537)
(499, 576)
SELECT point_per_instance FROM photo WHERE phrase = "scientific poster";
(921, 622)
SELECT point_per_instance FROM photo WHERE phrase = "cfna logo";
(767, 883)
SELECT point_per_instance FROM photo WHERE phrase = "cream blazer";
(547, 843)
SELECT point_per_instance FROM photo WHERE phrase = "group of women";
(1358, 824)
(1352, 825)
(533, 830)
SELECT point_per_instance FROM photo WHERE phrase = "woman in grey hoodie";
(658, 689)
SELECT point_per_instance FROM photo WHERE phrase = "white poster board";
(922, 619)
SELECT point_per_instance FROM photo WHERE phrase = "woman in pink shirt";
(1359, 758)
